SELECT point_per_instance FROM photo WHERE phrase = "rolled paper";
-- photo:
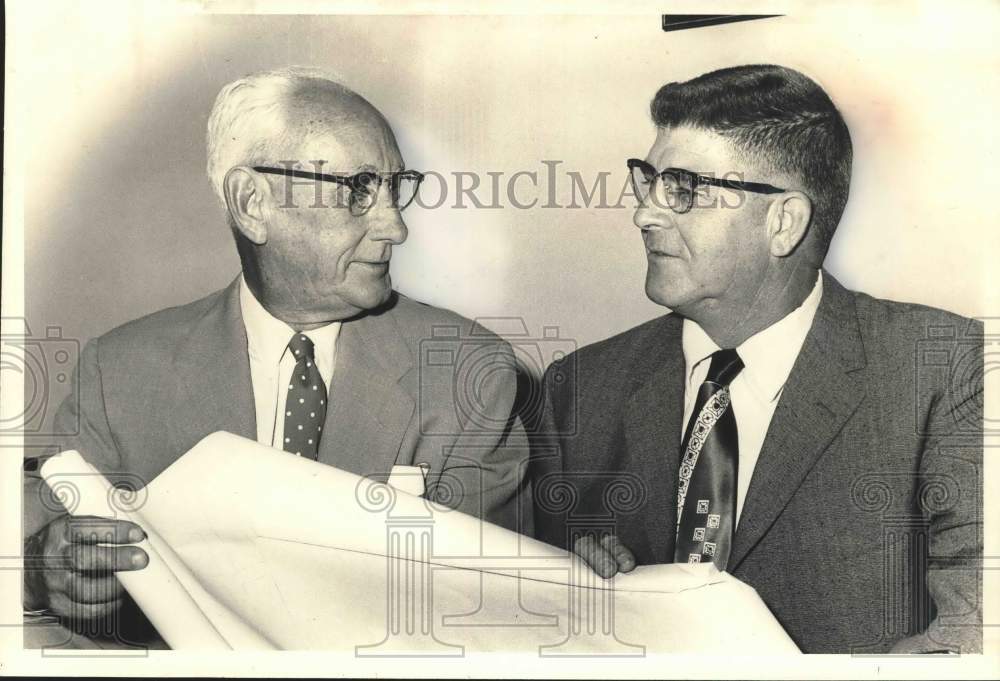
(271, 550)
(161, 589)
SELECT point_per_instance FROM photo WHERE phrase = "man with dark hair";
(774, 424)
(775, 118)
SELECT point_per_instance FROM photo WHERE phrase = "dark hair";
(780, 120)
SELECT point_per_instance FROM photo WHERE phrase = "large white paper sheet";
(254, 548)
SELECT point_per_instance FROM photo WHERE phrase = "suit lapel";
(822, 392)
(653, 418)
(368, 408)
(212, 376)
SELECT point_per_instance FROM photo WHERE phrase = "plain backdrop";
(120, 219)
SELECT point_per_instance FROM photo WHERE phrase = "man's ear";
(787, 222)
(245, 191)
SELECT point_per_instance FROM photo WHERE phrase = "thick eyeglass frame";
(695, 180)
(358, 184)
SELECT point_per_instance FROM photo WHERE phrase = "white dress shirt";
(768, 357)
(271, 364)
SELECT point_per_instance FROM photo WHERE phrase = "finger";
(66, 607)
(82, 588)
(622, 555)
(105, 559)
(599, 560)
(93, 530)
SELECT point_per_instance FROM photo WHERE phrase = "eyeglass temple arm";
(304, 174)
(308, 175)
(756, 187)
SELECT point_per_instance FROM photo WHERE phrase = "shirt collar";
(768, 355)
(268, 336)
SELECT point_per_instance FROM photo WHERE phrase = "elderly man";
(790, 431)
(309, 350)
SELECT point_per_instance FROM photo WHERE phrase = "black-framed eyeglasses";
(680, 186)
(363, 186)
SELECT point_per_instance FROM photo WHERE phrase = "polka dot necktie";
(305, 407)
(706, 491)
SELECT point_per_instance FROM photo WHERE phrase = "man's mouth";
(657, 253)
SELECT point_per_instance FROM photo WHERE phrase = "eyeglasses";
(364, 186)
(679, 185)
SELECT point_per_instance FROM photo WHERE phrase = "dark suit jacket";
(863, 520)
(402, 393)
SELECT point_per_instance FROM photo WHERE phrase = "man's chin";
(343, 306)
(374, 296)
(667, 296)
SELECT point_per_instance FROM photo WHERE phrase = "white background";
(105, 189)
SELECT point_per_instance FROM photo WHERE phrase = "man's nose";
(649, 214)
(386, 224)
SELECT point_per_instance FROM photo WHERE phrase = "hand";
(606, 557)
(77, 579)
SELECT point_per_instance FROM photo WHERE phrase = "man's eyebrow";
(369, 168)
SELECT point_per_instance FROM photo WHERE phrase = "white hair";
(248, 123)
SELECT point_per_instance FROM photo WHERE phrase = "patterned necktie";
(305, 407)
(706, 493)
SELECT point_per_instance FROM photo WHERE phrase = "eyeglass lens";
(402, 188)
(677, 190)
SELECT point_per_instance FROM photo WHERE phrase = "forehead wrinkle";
(380, 152)
(696, 149)
(342, 130)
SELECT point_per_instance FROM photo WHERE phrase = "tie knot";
(301, 346)
(726, 364)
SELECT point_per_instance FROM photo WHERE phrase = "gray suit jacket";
(863, 520)
(408, 388)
